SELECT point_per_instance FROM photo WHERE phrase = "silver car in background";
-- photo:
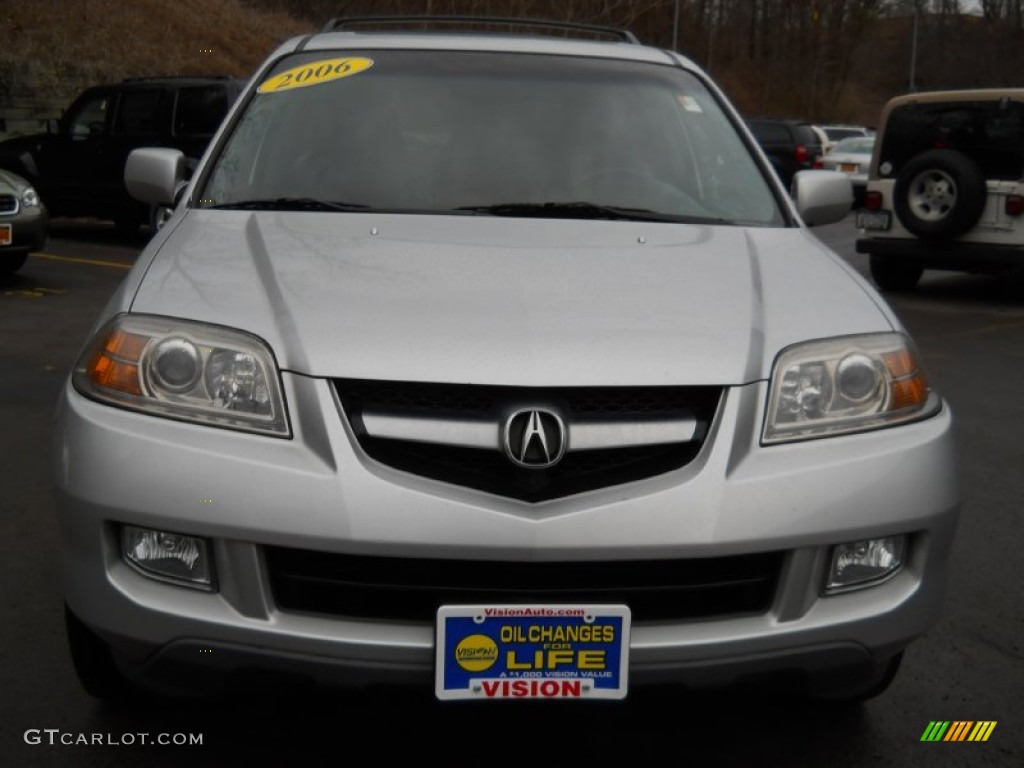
(503, 366)
(852, 156)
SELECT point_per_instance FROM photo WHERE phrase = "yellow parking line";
(75, 260)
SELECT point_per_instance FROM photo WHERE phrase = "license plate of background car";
(849, 167)
(874, 220)
(5, 234)
(532, 652)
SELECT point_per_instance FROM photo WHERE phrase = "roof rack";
(624, 35)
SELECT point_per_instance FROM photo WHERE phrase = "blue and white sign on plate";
(532, 651)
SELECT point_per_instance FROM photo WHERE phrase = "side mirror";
(53, 126)
(155, 175)
(822, 197)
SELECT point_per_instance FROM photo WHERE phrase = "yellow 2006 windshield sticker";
(315, 73)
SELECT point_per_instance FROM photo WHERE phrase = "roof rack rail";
(622, 34)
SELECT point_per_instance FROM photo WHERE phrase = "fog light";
(862, 563)
(168, 556)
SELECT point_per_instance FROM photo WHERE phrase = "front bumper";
(319, 492)
(28, 231)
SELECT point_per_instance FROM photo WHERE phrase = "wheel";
(94, 663)
(158, 216)
(856, 684)
(11, 264)
(890, 275)
(939, 194)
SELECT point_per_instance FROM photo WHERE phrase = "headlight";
(843, 385)
(185, 370)
(30, 198)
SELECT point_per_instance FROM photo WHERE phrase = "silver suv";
(504, 366)
(946, 186)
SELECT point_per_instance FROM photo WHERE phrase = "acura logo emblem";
(534, 438)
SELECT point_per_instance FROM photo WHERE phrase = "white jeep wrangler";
(946, 186)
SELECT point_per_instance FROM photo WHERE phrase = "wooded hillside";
(824, 60)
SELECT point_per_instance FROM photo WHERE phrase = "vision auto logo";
(959, 730)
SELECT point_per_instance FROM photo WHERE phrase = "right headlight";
(847, 384)
(185, 370)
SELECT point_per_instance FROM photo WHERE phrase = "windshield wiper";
(585, 210)
(289, 204)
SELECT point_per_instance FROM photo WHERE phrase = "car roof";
(933, 97)
(478, 41)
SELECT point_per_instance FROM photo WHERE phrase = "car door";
(71, 161)
(140, 120)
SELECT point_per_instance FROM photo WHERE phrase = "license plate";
(849, 167)
(532, 652)
(874, 220)
(5, 234)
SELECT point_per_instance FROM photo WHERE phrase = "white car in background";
(852, 156)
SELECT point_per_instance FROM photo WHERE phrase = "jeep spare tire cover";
(939, 194)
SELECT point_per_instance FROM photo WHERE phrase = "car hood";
(492, 300)
(11, 184)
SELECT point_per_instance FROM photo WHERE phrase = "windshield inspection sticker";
(315, 73)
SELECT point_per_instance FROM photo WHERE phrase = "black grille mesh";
(401, 589)
(490, 470)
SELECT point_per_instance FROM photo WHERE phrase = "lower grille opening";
(402, 589)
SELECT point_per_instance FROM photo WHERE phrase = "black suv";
(791, 145)
(78, 165)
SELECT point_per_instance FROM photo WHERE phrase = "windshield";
(488, 134)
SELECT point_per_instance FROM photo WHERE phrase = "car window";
(854, 144)
(770, 132)
(89, 117)
(425, 131)
(837, 134)
(806, 135)
(199, 110)
(990, 132)
(138, 112)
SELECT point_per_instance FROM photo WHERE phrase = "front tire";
(855, 685)
(94, 663)
(11, 264)
(890, 275)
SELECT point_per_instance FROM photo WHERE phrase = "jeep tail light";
(819, 163)
(1014, 205)
(873, 200)
(801, 153)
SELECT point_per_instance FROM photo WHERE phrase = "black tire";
(856, 684)
(94, 664)
(11, 264)
(939, 194)
(158, 216)
(893, 274)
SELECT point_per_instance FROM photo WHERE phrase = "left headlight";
(844, 385)
(185, 370)
(30, 198)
